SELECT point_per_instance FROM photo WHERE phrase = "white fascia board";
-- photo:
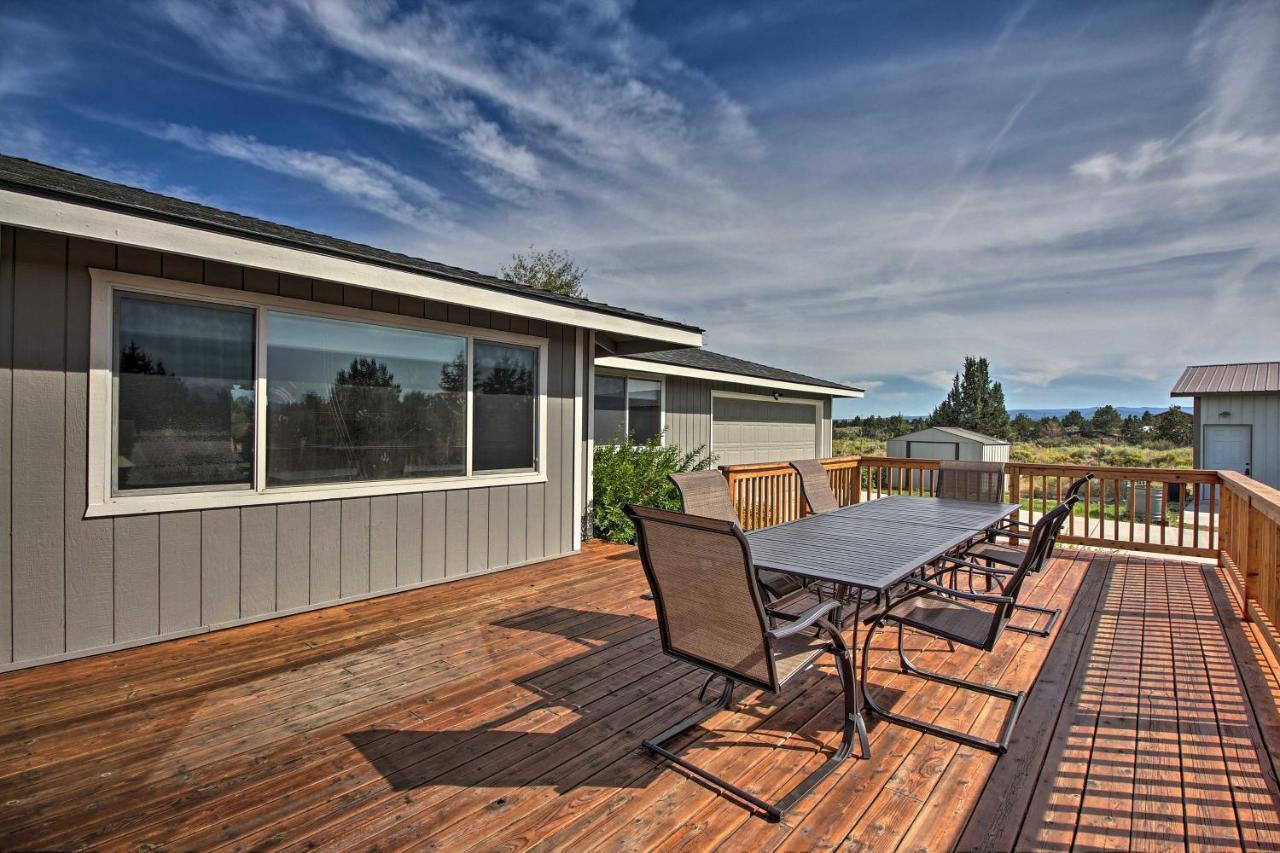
(82, 220)
(637, 364)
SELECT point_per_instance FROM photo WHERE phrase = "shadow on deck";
(505, 712)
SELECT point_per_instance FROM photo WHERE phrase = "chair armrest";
(957, 593)
(987, 570)
(805, 620)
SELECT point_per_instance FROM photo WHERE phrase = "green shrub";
(631, 472)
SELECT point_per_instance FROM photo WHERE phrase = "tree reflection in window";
(356, 401)
(506, 394)
(183, 395)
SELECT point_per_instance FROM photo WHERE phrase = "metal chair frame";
(853, 723)
(1002, 606)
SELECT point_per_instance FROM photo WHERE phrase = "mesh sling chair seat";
(711, 614)
(706, 493)
(815, 486)
(975, 619)
(971, 481)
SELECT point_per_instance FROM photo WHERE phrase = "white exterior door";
(746, 430)
(1227, 447)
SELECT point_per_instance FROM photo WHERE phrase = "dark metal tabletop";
(875, 544)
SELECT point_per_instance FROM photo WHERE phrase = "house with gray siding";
(212, 420)
(737, 410)
(1235, 416)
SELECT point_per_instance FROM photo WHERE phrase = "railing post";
(855, 487)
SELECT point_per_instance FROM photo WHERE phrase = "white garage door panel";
(744, 431)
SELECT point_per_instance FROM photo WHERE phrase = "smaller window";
(183, 395)
(505, 421)
(627, 406)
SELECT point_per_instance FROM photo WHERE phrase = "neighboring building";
(1236, 417)
(740, 411)
(949, 443)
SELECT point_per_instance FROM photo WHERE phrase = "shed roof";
(958, 432)
(703, 359)
(1251, 377)
(29, 177)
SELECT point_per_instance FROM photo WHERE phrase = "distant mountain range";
(1087, 411)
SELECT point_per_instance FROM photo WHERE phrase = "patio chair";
(975, 619)
(711, 614)
(815, 486)
(706, 493)
(971, 481)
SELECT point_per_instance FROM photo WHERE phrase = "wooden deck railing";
(1250, 543)
(1196, 513)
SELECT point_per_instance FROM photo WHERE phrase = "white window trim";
(769, 398)
(101, 502)
(626, 412)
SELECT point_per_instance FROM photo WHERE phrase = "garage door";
(744, 431)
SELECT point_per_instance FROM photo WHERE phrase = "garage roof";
(705, 364)
(958, 432)
(1251, 377)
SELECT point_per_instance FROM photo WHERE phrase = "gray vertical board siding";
(355, 546)
(90, 563)
(6, 441)
(517, 523)
(257, 561)
(219, 565)
(383, 536)
(499, 524)
(434, 556)
(408, 568)
(293, 555)
(326, 545)
(1262, 412)
(39, 401)
(179, 571)
(455, 534)
(83, 584)
(137, 583)
(477, 530)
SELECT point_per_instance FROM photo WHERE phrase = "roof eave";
(83, 218)
(664, 369)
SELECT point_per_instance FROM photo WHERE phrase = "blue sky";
(1088, 194)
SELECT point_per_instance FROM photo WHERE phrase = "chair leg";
(853, 727)
(1053, 613)
(998, 746)
(702, 694)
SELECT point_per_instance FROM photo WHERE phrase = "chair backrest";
(710, 608)
(815, 485)
(971, 481)
(1078, 486)
(705, 493)
(1040, 545)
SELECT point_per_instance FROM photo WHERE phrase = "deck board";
(504, 712)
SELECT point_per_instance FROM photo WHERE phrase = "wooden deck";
(504, 712)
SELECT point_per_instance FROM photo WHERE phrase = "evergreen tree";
(1024, 428)
(974, 402)
(1175, 426)
(1074, 422)
(1131, 430)
(1105, 420)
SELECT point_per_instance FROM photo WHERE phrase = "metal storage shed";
(949, 443)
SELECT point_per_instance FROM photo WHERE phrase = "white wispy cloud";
(1062, 194)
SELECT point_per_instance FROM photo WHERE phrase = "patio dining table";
(871, 547)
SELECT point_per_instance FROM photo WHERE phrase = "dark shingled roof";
(702, 359)
(1255, 377)
(32, 178)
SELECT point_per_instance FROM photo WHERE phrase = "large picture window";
(627, 405)
(184, 401)
(355, 401)
(202, 398)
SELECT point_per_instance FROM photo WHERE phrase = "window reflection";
(184, 394)
(611, 408)
(504, 423)
(353, 401)
(644, 408)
